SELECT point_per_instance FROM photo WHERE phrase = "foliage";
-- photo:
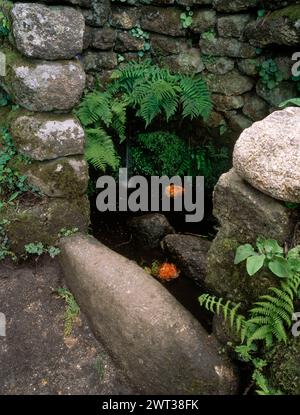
(147, 89)
(64, 232)
(291, 102)
(39, 249)
(4, 242)
(186, 18)
(270, 317)
(163, 153)
(5, 25)
(141, 34)
(12, 183)
(209, 35)
(270, 74)
(72, 310)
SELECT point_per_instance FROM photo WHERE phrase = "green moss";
(292, 12)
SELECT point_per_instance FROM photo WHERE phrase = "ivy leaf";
(243, 252)
(280, 267)
(255, 263)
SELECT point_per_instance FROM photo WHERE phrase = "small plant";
(270, 74)
(5, 26)
(72, 310)
(99, 367)
(261, 13)
(39, 249)
(186, 18)
(291, 102)
(270, 317)
(141, 34)
(209, 35)
(67, 232)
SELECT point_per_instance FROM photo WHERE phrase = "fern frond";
(95, 107)
(195, 98)
(100, 150)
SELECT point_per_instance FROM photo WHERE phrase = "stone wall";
(57, 48)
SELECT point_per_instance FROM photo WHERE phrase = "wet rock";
(229, 47)
(232, 83)
(47, 32)
(282, 27)
(232, 26)
(47, 136)
(150, 229)
(42, 220)
(255, 108)
(116, 293)
(267, 155)
(165, 21)
(43, 86)
(189, 253)
(62, 177)
(244, 213)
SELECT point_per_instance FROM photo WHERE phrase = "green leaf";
(280, 267)
(255, 263)
(243, 252)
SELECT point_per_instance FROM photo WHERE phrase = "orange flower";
(173, 191)
(168, 271)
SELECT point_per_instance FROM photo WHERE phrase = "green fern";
(100, 150)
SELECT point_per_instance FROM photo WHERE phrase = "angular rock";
(255, 108)
(226, 103)
(98, 14)
(237, 121)
(203, 20)
(44, 32)
(165, 21)
(124, 17)
(232, 83)
(115, 293)
(249, 66)
(233, 5)
(232, 26)
(62, 177)
(103, 39)
(244, 213)
(42, 219)
(47, 136)
(43, 86)
(282, 92)
(188, 62)
(282, 27)
(164, 45)
(148, 230)
(219, 66)
(96, 61)
(189, 253)
(127, 42)
(229, 47)
(267, 155)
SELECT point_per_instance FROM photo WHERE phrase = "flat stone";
(43, 86)
(47, 136)
(165, 45)
(237, 121)
(233, 5)
(232, 26)
(282, 92)
(96, 61)
(188, 62)
(229, 47)
(267, 155)
(189, 253)
(127, 42)
(226, 103)
(116, 293)
(62, 177)
(98, 14)
(103, 38)
(124, 17)
(232, 83)
(219, 66)
(44, 32)
(203, 20)
(254, 107)
(165, 21)
(150, 229)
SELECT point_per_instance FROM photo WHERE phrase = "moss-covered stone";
(285, 367)
(40, 220)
